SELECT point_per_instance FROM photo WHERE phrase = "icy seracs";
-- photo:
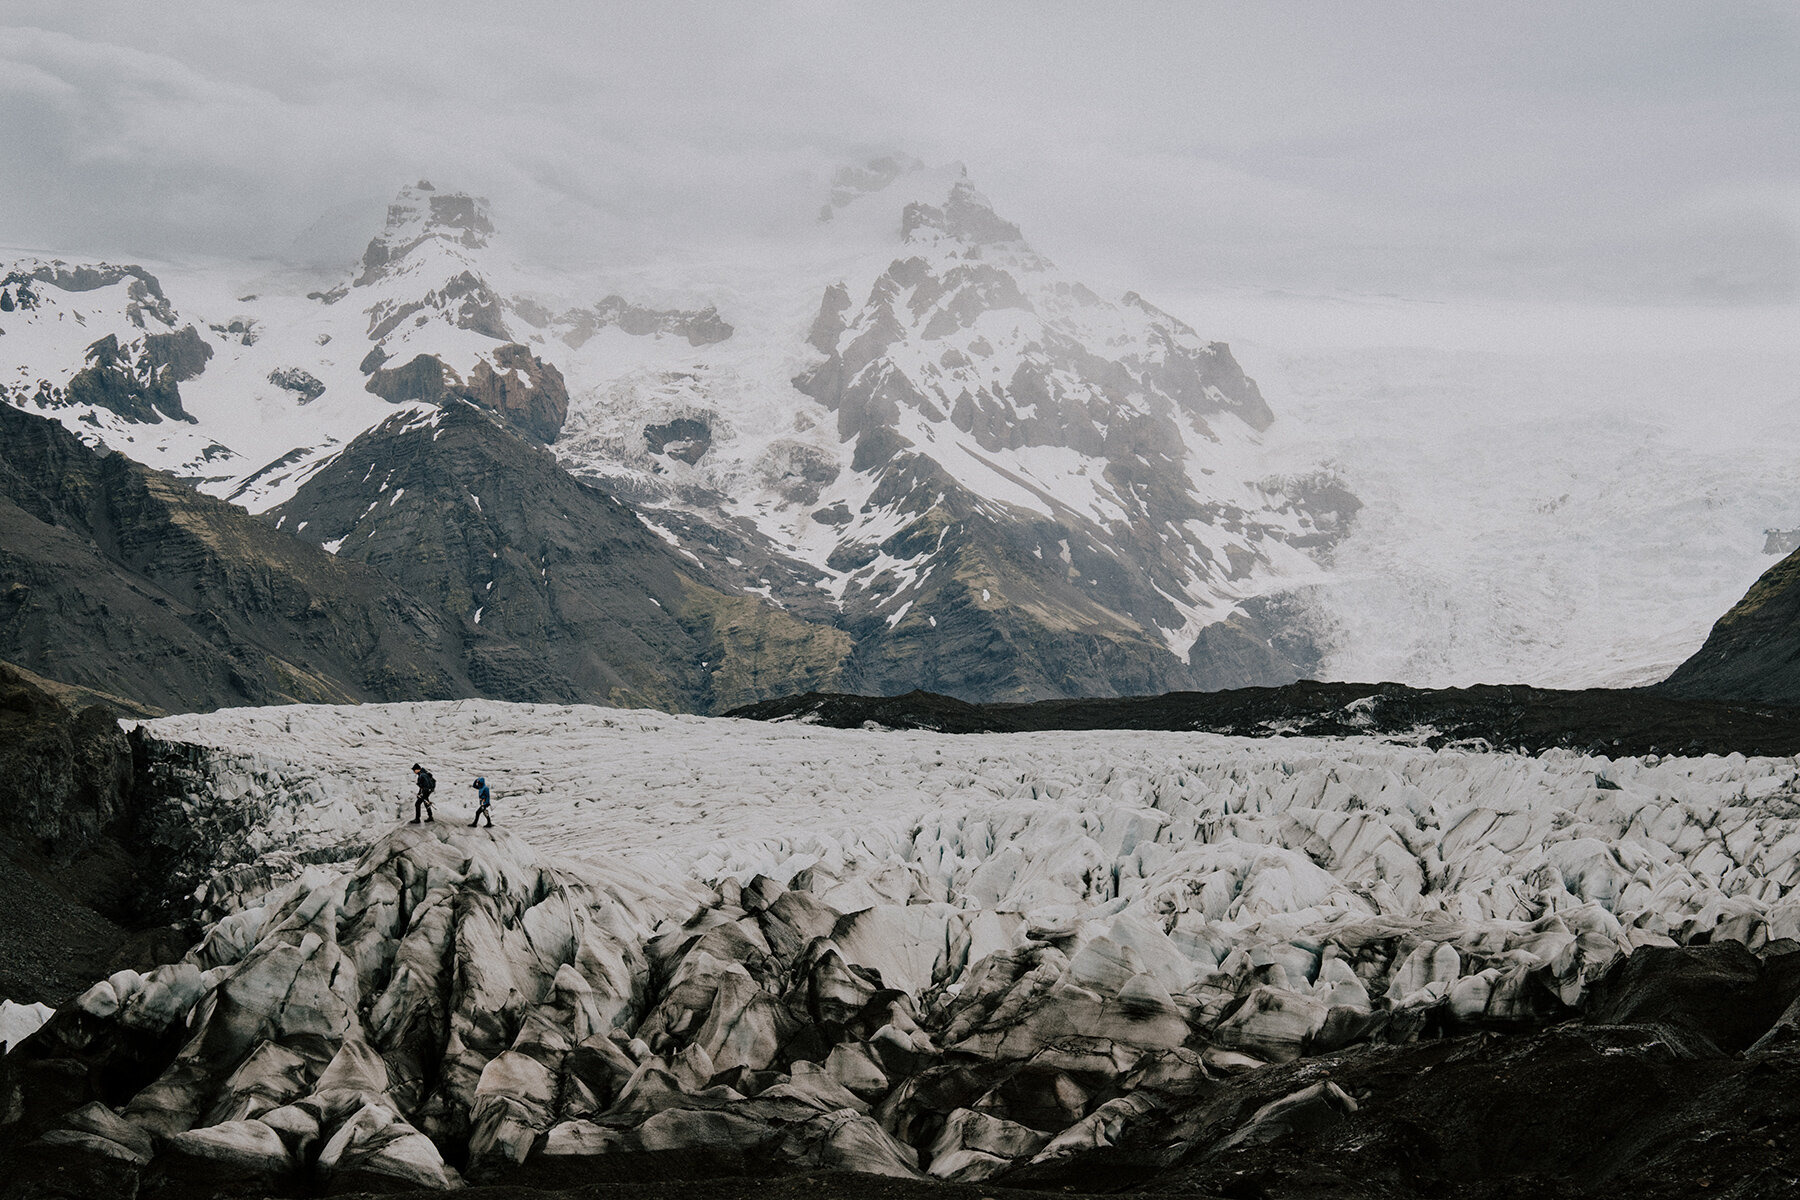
(893, 952)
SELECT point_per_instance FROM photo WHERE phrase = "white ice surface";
(1214, 842)
(20, 1021)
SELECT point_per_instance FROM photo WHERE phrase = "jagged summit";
(421, 212)
(966, 215)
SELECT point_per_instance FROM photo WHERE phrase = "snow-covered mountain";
(1003, 484)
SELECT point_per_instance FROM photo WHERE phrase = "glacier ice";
(905, 953)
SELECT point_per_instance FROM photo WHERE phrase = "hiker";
(426, 785)
(481, 793)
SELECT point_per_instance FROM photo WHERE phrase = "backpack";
(427, 784)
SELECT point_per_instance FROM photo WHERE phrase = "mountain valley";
(896, 669)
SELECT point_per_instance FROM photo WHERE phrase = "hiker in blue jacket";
(481, 792)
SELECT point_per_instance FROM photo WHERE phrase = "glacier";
(905, 953)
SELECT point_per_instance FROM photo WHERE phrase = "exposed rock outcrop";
(1753, 652)
(65, 776)
(1512, 717)
(302, 383)
(699, 326)
(77, 876)
(527, 392)
(137, 388)
(513, 383)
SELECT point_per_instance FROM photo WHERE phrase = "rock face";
(65, 777)
(303, 384)
(511, 382)
(1753, 652)
(125, 580)
(527, 392)
(136, 376)
(80, 878)
(700, 326)
(1509, 717)
(565, 593)
(138, 381)
(22, 287)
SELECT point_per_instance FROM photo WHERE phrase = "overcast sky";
(1616, 153)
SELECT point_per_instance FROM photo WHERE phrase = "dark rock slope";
(72, 877)
(125, 580)
(567, 595)
(1505, 717)
(65, 777)
(1753, 652)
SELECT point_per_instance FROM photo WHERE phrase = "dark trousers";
(422, 805)
(481, 812)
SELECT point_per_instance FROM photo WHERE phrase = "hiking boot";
(414, 821)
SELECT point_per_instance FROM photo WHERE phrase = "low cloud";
(1620, 152)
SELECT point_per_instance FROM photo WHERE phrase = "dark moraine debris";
(1613, 722)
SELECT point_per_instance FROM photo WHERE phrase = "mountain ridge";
(1071, 487)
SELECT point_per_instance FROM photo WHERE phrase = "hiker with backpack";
(481, 793)
(426, 786)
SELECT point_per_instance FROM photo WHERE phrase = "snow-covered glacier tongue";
(783, 946)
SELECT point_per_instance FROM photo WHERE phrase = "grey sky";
(1617, 152)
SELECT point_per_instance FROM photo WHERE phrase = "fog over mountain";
(1626, 152)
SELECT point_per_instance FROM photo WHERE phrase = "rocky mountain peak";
(420, 213)
(965, 216)
(526, 392)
